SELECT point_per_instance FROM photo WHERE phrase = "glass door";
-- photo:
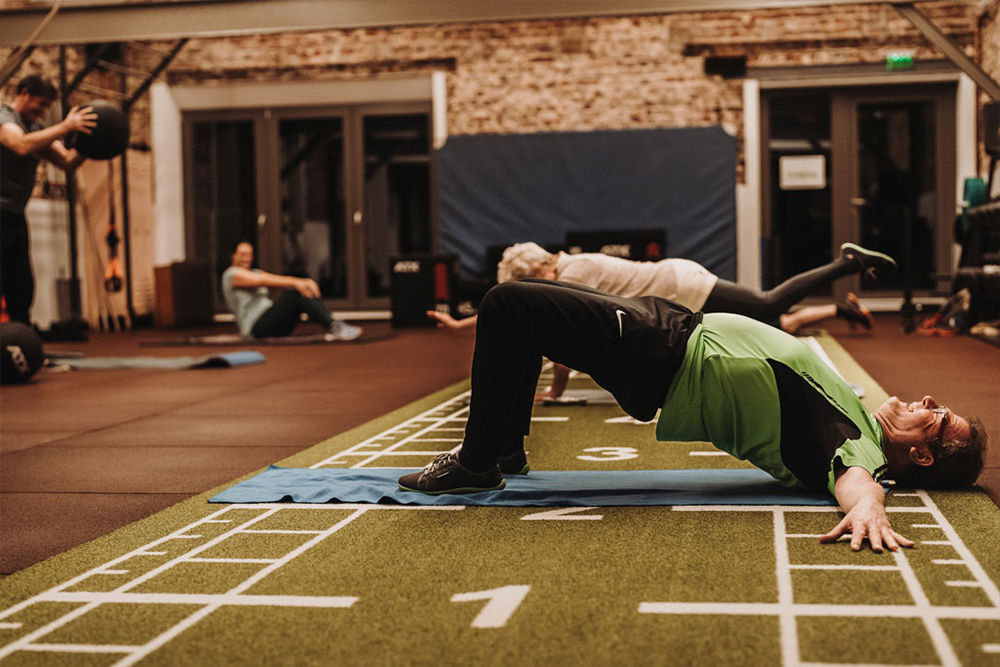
(223, 197)
(902, 172)
(331, 193)
(869, 165)
(396, 183)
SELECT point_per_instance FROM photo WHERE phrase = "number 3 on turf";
(611, 454)
(502, 603)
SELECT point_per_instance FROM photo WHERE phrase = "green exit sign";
(895, 62)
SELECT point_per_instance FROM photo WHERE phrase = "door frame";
(267, 185)
(753, 217)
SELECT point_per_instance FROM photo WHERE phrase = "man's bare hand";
(867, 521)
(308, 288)
(81, 119)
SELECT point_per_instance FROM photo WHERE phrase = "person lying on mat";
(247, 294)
(689, 284)
(752, 390)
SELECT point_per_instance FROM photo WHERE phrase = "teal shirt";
(247, 304)
(727, 393)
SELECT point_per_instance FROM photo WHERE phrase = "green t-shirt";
(247, 304)
(764, 397)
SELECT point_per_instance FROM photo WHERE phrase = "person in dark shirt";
(750, 389)
(24, 142)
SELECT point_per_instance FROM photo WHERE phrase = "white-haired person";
(688, 283)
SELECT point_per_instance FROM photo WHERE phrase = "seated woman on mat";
(257, 316)
(689, 284)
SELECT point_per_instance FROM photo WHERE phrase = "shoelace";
(437, 466)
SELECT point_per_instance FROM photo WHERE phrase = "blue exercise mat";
(543, 488)
(227, 360)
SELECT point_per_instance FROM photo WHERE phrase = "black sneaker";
(446, 475)
(515, 464)
(873, 263)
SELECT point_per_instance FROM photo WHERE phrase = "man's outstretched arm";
(863, 500)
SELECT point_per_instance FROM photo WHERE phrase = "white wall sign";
(802, 172)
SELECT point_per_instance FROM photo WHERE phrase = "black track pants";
(727, 297)
(631, 347)
(280, 319)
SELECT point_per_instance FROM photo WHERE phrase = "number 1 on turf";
(502, 603)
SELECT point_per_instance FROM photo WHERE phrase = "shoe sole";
(868, 253)
(459, 491)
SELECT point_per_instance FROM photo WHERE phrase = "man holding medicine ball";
(24, 142)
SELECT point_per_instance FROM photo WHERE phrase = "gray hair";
(522, 260)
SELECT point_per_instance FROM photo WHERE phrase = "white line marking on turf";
(876, 568)
(803, 535)
(264, 561)
(10, 626)
(461, 400)
(151, 553)
(935, 542)
(963, 584)
(925, 525)
(938, 637)
(112, 572)
(437, 440)
(561, 515)
(235, 591)
(970, 561)
(277, 531)
(708, 454)
(948, 561)
(80, 648)
(991, 648)
(776, 609)
(208, 599)
(550, 419)
(786, 620)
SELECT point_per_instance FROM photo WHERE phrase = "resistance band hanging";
(113, 275)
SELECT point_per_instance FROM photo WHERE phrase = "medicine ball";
(110, 138)
(20, 352)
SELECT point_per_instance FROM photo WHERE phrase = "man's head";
(243, 255)
(526, 260)
(929, 446)
(35, 96)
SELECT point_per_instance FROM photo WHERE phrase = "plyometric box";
(183, 294)
(642, 245)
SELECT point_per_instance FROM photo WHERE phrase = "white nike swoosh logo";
(619, 313)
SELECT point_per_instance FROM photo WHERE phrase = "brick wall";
(571, 74)
(989, 49)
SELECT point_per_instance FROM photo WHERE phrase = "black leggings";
(727, 297)
(631, 347)
(280, 319)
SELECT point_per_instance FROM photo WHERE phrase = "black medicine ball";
(20, 352)
(110, 138)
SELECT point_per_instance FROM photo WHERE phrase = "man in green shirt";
(750, 389)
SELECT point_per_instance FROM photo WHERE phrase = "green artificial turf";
(601, 586)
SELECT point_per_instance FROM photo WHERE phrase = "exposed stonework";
(573, 74)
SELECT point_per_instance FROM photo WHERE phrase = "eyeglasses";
(944, 412)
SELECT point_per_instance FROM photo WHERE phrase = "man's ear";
(921, 455)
